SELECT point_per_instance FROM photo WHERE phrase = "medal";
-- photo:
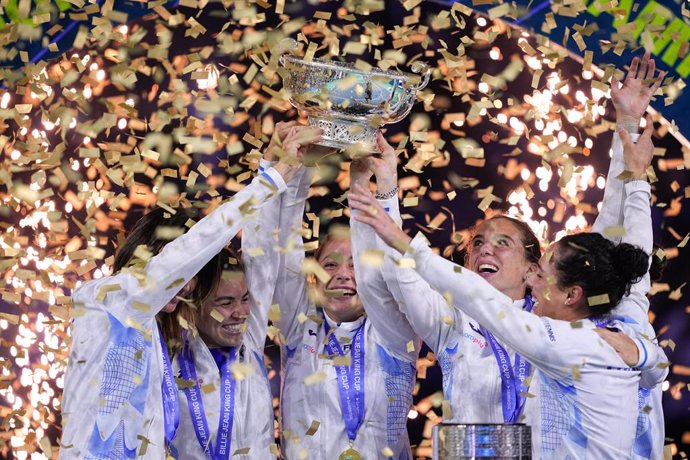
(350, 454)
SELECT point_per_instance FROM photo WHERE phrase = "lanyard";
(350, 380)
(196, 405)
(513, 388)
(171, 405)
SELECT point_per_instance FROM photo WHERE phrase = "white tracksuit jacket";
(649, 440)
(112, 403)
(253, 427)
(311, 416)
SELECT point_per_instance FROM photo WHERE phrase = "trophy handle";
(425, 71)
(417, 67)
(287, 45)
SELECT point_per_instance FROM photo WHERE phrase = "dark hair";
(146, 232)
(529, 240)
(599, 267)
(659, 263)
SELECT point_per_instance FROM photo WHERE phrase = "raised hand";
(383, 166)
(281, 130)
(638, 156)
(632, 98)
(369, 211)
(293, 147)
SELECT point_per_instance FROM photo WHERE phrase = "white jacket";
(311, 416)
(637, 226)
(112, 403)
(585, 398)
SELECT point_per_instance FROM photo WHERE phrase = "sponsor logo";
(549, 329)
(475, 340)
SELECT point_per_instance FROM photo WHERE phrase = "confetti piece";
(316, 377)
(601, 299)
(313, 428)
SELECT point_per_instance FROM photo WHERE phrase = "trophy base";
(342, 134)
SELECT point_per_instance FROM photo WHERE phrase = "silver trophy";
(349, 104)
(485, 441)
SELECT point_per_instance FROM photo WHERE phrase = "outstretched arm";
(631, 100)
(368, 253)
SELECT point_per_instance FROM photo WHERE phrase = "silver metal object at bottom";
(485, 441)
(339, 133)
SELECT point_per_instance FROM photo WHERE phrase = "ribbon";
(171, 405)
(350, 380)
(196, 405)
(513, 388)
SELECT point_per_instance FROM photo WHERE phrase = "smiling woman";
(339, 295)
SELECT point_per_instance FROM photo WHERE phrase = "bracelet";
(387, 195)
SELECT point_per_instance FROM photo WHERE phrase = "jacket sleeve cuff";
(642, 353)
(265, 165)
(637, 186)
(275, 179)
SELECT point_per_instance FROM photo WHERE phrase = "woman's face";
(230, 301)
(549, 298)
(498, 255)
(340, 293)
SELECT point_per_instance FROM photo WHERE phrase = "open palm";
(633, 97)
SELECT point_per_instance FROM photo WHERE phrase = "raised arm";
(291, 294)
(151, 287)
(368, 253)
(260, 258)
(260, 236)
(634, 308)
(429, 314)
(630, 99)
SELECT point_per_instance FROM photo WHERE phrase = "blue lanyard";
(350, 379)
(513, 389)
(196, 406)
(171, 405)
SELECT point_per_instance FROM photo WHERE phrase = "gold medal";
(350, 454)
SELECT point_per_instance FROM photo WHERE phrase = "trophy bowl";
(490, 441)
(347, 103)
